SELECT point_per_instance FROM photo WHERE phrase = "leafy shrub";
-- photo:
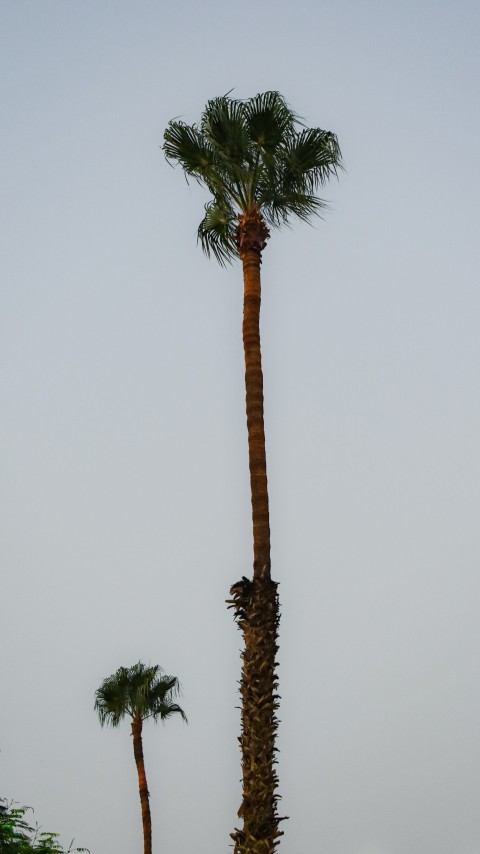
(17, 836)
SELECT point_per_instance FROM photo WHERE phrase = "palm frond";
(172, 709)
(223, 125)
(112, 698)
(205, 161)
(216, 231)
(270, 120)
(165, 687)
(279, 209)
(185, 144)
(304, 162)
(311, 158)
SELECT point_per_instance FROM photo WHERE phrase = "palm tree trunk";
(255, 603)
(142, 784)
(256, 609)
(251, 259)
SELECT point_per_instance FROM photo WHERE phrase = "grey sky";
(125, 498)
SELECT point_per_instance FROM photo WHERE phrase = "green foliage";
(17, 836)
(139, 692)
(251, 156)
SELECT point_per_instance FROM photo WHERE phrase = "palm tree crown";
(140, 692)
(255, 157)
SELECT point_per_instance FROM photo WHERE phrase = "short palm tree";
(261, 167)
(138, 692)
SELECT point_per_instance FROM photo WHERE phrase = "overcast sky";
(125, 497)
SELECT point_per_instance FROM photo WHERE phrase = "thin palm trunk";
(255, 602)
(142, 784)
(251, 260)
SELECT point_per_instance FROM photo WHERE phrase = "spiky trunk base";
(257, 611)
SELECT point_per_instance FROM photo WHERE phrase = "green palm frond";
(112, 698)
(161, 696)
(185, 144)
(204, 160)
(223, 125)
(311, 158)
(270, 120)
(279, 209)
(166, 711)
(216, 231)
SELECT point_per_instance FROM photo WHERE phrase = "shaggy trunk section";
(255, 603)
(256, 609)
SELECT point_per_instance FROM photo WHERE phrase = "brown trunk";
(142, 784)
(251, 259)
(255, 603)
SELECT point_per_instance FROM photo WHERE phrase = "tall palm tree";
(262, 166)
(140, 693)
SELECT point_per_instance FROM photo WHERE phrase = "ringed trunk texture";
(142, 785)
(251, 259)
(255, 603)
